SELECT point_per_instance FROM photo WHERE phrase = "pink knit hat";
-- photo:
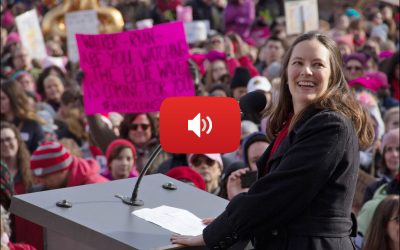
(49, 158)
(372, 81)
(215, 157)
(391, 137)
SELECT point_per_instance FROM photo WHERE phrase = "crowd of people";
(329, 132)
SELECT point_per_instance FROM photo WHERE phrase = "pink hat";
(13, 37)
(391, 137)
(185, 172)
(8, 18)
(214, 55)
(119, 142)
(372, 81)
(215, 157)
(346, 39)
(49, 158)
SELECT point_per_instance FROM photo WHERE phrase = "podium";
(99, 220)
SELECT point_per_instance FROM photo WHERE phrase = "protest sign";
(83, 22)
(197, 31)
(134, 71)
(301, 16)
(31, 34)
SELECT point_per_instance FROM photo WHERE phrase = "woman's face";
(4, 103)
(308, 73)
(393, 122)
(391, 156)
(273, 51)
(140, 130)
(53, 89)
(393, 228)
(353, 69)
(254, 152)
(27, 83)
(122, 165)
(218, 69)
(9, 143)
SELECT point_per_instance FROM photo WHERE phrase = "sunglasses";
(199, 161)
(136, 126)
(350, 68)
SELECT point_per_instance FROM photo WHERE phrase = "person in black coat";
(307, 176)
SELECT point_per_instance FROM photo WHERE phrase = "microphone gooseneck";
(133, 201)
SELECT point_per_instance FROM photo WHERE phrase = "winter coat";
(304, 202)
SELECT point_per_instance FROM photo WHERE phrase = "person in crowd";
(21, 60)
(139, 129)
(383, 232)
(15, 156)
(121, 160)
(260, 83)
(254, 145)
(51, 70)
(391, 119)
(15, 109)
(390, 162)
(355, 65)
(54, 167)
(239, 16)
(272, 51)
(26, 80)
(187, 175)
(5, 232)
(366, 212)
(53, 90)
(357, 30)
(345, 44)
(216, 73)
(246, 128)
(313, 161)
(219, 89)
(391, 67)
(210, 167)
(239, 82)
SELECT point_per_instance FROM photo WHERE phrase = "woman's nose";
(306, 71)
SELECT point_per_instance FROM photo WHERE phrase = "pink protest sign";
(134, 71)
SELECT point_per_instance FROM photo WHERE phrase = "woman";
(139, 129)
(15, 109)
(303, 197)
(16, 156)
(121, 160)
(383, 232)
(355, 65)
(216, 73)
(53, 90)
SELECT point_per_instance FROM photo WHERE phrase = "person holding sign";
(307, 176)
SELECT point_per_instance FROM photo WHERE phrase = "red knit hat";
(49, 158)
(185, 172)
(119, 142)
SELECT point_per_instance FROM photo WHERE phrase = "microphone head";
(253, 102)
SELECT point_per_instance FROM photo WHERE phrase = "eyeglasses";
(355, 68)
(7, 139)
(199, 161)
(397, 219)
(136, 126)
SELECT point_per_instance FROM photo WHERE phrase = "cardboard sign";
(301, 16)
(134, 71)
(83, 22)
(31, 34)
(197, 31)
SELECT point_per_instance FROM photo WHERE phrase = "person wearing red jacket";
(55, 167)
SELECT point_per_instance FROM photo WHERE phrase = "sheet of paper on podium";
(174, 219)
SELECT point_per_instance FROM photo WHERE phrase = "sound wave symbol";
(205, 125)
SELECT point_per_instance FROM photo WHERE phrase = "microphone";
(133, 200)
(253, 102)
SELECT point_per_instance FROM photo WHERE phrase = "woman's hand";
(207, 221)
(234, 185)
(188, 240)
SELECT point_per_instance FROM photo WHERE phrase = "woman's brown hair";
(128, 119)
(377, 237)
(337, 97)
(23, 156)
(18, 101)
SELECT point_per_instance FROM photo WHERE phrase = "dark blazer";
(304, 202)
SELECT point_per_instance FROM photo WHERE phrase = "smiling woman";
(306, 182)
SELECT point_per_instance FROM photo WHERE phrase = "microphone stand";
(133, 200)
